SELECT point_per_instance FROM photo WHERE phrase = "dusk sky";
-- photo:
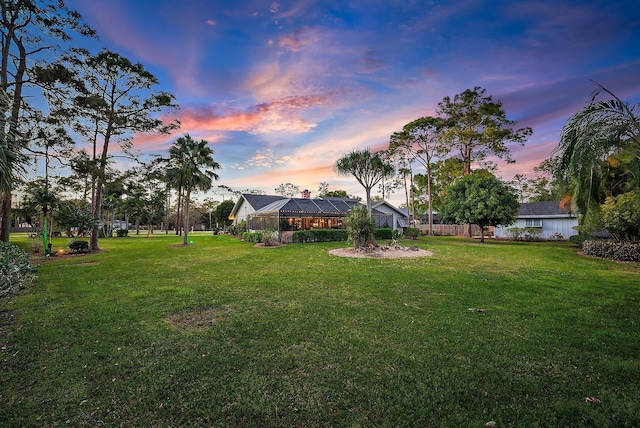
(282, 89)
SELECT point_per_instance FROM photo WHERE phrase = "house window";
(533, 222)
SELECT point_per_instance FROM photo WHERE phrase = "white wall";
(549, 227)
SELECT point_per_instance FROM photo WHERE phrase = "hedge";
(612, 250)
(383, 233)
(319, 235)
(252, 237)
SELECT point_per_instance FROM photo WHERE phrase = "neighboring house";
(547, 215)
(399, 220)
(248, 204)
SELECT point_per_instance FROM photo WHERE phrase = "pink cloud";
(280, 115)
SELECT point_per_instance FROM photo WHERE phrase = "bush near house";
(412, 232)
(524, 233)
(319, 235)
(270, 238)
(613, 250)
(252, 237)
(383, 233)
(578, 240)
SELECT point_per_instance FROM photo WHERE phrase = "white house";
(547, 215)
(399, 219)
(248, 204)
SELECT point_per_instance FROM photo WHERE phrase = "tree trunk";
(185, 214)
(430, 199)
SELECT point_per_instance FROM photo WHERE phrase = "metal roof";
(310, 207)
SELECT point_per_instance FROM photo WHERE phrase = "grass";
(220, 333)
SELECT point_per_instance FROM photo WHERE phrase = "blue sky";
(282, 89)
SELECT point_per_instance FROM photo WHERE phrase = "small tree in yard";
(480, 199)
(360, 226)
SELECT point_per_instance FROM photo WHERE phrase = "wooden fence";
(449, 229)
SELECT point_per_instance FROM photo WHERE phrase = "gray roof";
(301, 206)
(321, 207)
(543, 209)
(259, 201)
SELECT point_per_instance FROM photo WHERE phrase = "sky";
(282, 89)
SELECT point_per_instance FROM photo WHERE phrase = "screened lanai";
(305, 214)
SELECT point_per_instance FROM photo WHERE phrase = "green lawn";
(220, 333)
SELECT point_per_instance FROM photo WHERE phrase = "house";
(399, 220)
(287, 215)
(248, 204)
(549, 216)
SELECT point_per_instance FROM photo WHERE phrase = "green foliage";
(223, 211)
(412, 232)
(360, 226)
(621, 216)
(241, 227)
(16, 272)
(79, 246)
(578, 240)
(122, 233)
(613, 250)
(366, 167)
(252, 237)
(477, 126)
(481, 199)
(383, 233)
(598, 143)
(319, 235)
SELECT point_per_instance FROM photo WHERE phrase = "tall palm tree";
(590, 138)
(192, 168)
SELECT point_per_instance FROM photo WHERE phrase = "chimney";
(306, 194)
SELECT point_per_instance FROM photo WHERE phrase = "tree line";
(594, 171)
(68, 114)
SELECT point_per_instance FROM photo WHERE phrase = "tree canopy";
(481, 199)
(367, 168)
(192, 168)
(477, 126)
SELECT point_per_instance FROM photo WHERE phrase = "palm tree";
(601, 131)
(192, 168)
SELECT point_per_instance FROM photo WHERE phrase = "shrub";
(270, 237)
(556, 236)
(240, 228)
(524, 233)
(532, 233)
(79, 246)
(15, 271)
(319, 235)
(302, 236)
(613, 250)
(621, 216)
(383, 233)
(252, 237)
(578, 240)
(360, 226)
(515, 233)
(122, 233)
(412, 232)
